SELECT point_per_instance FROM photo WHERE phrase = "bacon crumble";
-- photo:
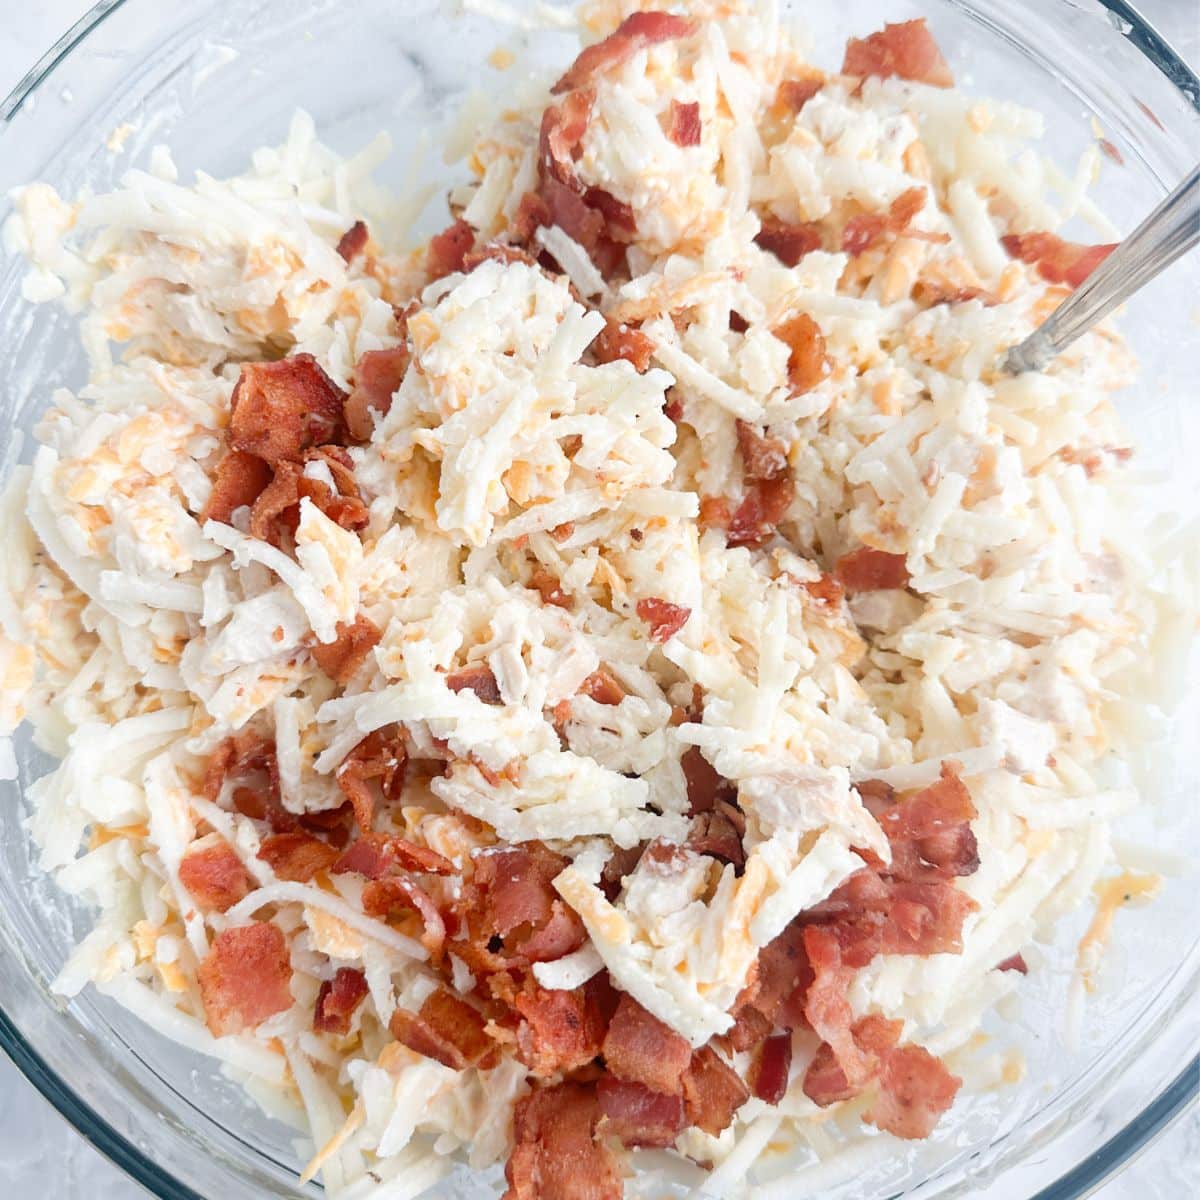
(906, 50)
(664, 618)
(337, 1000)
(244, 977)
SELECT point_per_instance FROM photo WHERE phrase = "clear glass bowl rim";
(1082, 1180)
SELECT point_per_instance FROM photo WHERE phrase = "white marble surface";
(42, 1158)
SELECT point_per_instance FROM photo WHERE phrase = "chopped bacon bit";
(776, 996)
(712, 1091)
(619, 219)
(244, 977)
(825, 1082)
(635, 32)
(738, 323)
(1057, 261)
(914, 1090)
(396, 893)
(337, 1000)
(639, 1116)
(716, 835)
(561, 1031)
(789, 243)
(448, 1030)
(684, 127)
(374, 855)
(794, 94)
(926, 918)
(556, 1154)
(377, 375)
(931, 293)
(714, 512)
(825, 590)
(762, 508)
(930, 833)
(704, 785)
(864, 230)
(282, 408)
(448, 249)
(769, 1072)
(239, 480)
(478, 678)
(807, 364)
(547, 585)
(601, 685)
(532, 213)
(342, 657)
(869, 570)
(499, 252)
(354, 241)
(297, 857)
(238, 755)
(214, 876)
(380, 756)
(616, 340)
(826, 1007)
(664, 618)
(1014, 962)
(562, 130)
(906, 50)
(277, 508)
(640, 1048)
(762, 457)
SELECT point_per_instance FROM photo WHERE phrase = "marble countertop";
(42, 1158)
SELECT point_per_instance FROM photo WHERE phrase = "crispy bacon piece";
(869, 570)
(826, 1008)
(556, 1154)
(914, 1090)
(277, 508)
(214, 876)
(794, 94)
(762, 508)
(448, 1030)
(397, 894)
(715, 834)
(865, 229)
(712, 1091)
(762, 457)
(337, 1000)
(381, 757)
(929, 832)
(807, 364)
(374, 855)
(664, 618)
(1014, 962)
(478, 678)
(602, 687)
(239, 480)
(769, 1072)
(1057, 261)
(377, 375)
(342, 657)
(704, 785)
(641, 1049)
(825, 590)
(282, 408)
(448, 249)
(789, 243)
(621, 341)
(684, 127)
(619, 221)
(638, 1115)
(906, 50)
(931, 293)
(546, 584)
(532, 213)
(925, 918)
(237, 755)
(636, 31)
(297, 856)
(825, 1082)
(353, 242)
(500, 252)
(561, 133)
(561, 1031)
(244, 977)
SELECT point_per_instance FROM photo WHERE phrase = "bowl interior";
(218, 79)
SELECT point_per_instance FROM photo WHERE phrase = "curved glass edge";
(1125, 1145)
(1081, 1181)
(44, 67)
(1145, 36)
(84, 1119)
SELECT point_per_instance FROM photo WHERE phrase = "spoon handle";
(1172, 229)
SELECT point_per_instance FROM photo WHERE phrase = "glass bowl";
(217, 78)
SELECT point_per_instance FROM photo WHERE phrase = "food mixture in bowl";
(619, 686)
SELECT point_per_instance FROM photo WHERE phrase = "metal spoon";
(1172, 229)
